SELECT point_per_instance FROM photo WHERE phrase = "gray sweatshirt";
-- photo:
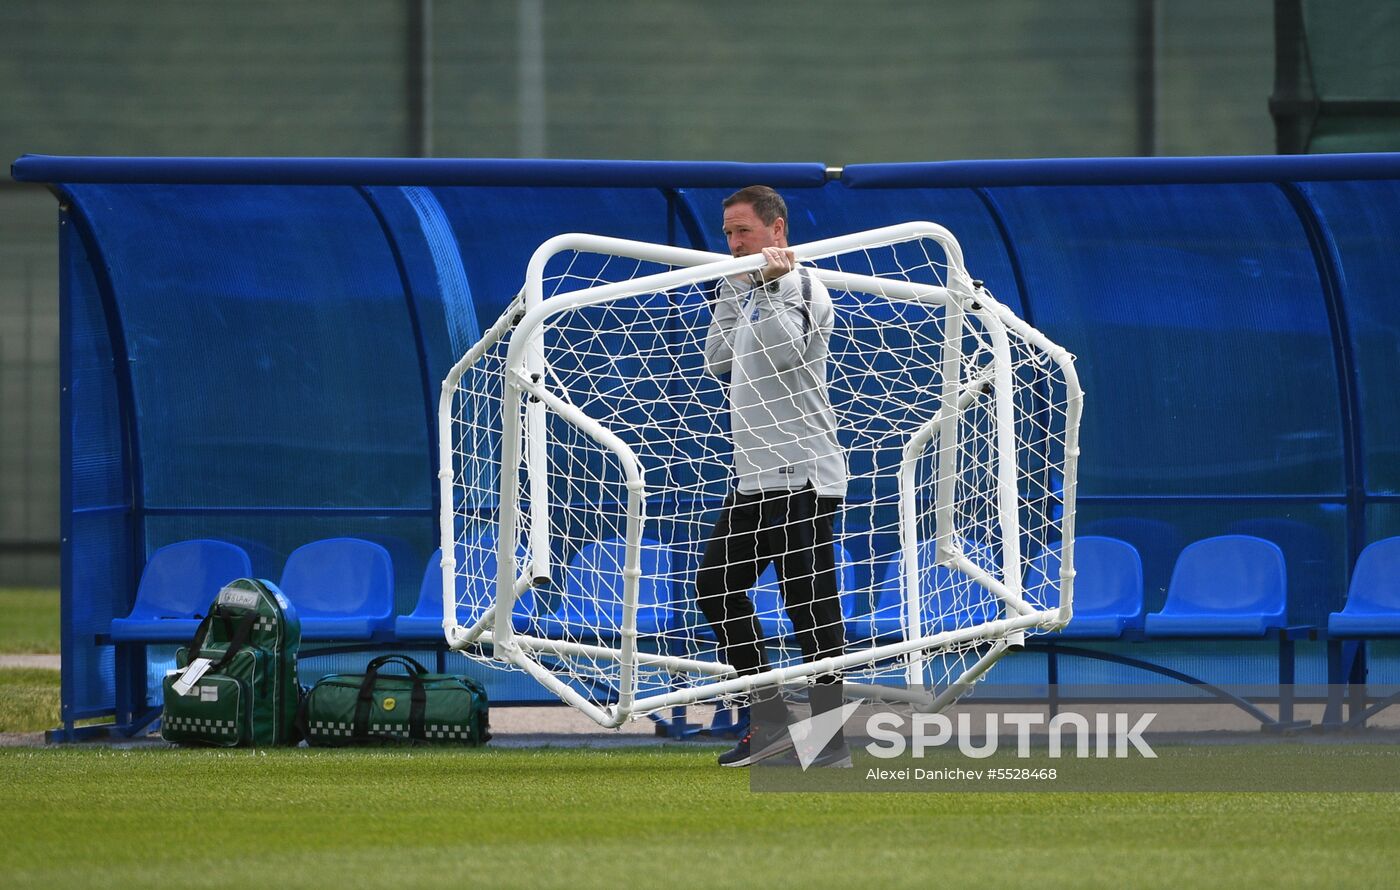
(772, 341)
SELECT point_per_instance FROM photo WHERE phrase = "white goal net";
(586, 456)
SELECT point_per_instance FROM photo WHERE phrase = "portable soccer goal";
(585, 456)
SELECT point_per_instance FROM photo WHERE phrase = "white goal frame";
(522, 443)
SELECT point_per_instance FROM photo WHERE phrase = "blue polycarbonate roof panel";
(1362, 225)
(1202, 333)
(498, 229)
(269, 346)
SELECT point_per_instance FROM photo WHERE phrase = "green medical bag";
(236, 683)
(414, 708)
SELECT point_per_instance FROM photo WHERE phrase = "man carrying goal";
(770, 333)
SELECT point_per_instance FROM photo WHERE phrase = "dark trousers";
(794, 530)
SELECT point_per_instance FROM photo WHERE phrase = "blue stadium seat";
(591, 606)
(1315, 566)
(950, 598)
(343, 589)
(773, 620)
(1108, 598)
(177, 586)
(476, 589)
(1373, 599)
(1157, 542)
(1226, 586)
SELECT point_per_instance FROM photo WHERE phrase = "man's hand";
(780, 262)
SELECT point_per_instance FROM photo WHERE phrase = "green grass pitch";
(95, 816)
(591, 818)
(28, 620)
(29, 700)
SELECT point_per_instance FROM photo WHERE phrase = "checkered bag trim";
(337, 729)
(201, 724)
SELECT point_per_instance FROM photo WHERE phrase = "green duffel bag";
(415, 708)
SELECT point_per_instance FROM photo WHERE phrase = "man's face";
(747, 234)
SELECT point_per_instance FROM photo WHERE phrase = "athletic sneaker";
(829, 758)
(753, 748)
(836, 756)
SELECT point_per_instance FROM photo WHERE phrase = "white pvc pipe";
(636, 518)
(909, 563)
(538, 311)
(907, 695)
(961, 686)
(509, 318)
(776, 676)
(946, 461)
(508, 511)
(487, 619)
(447, 450)
(536, 438)
(563, 690)
(1008, 498)
(683, 256)
(1074, 406)
(720, 266)
(958, 560)
(527, 643)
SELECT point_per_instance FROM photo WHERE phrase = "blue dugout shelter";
(251, 348)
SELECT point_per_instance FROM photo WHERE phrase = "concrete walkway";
(49, 662)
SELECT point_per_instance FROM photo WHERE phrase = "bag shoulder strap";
(237, 634)
(237, 639)
(418, 698)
